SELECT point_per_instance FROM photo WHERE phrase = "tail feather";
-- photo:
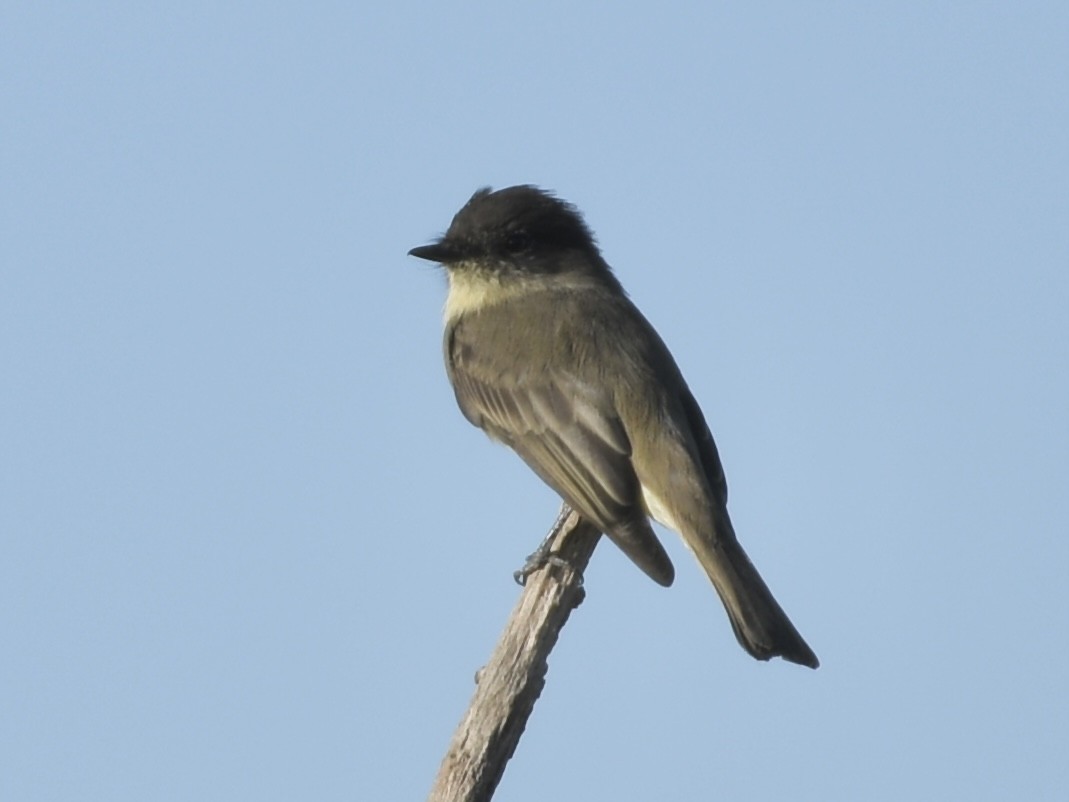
(760, 625)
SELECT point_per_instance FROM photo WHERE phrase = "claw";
(543, 555)
(536, 561)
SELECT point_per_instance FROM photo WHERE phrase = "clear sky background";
(249, 548)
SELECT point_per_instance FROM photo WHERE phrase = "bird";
(547, 354)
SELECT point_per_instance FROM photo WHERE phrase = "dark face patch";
(517, 224)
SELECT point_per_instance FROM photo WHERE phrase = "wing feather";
(570, 435)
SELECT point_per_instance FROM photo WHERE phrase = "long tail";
(760, 624)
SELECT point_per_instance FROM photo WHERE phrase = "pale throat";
(472, 289)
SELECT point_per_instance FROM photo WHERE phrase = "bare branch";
(510, 683)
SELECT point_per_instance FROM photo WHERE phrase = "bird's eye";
(517, 241)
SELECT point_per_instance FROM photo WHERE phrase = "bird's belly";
(657, 509)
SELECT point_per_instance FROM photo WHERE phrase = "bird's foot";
(537, 560)
(543, 555)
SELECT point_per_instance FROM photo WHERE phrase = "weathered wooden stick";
(509, 684)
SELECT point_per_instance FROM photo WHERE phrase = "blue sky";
(249, 548)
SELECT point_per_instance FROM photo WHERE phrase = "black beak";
(440, 251)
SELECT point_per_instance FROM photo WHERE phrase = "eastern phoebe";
(547, 355)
